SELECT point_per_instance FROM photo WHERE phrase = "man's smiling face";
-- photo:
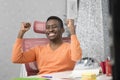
(53, 29)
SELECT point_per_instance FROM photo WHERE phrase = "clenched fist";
(24, 27)
(71, 26)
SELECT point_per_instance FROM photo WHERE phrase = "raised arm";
(76, 51)
(18, 56)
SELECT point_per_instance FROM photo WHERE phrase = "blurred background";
(93, 24)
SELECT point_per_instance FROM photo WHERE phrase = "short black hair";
(56, 18)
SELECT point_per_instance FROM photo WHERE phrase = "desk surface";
(65, 75)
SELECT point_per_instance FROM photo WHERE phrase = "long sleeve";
(18, 56)
(76, 51)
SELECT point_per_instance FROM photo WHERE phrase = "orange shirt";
(48, 61)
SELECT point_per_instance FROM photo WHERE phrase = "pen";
(47, 76)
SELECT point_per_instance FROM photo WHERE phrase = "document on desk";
(58, 75)
(78, 73)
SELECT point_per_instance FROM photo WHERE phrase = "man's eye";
(51, 26)
(54, 26)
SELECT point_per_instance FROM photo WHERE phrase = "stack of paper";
(78, 73)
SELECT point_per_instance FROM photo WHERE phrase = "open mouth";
(51, 34)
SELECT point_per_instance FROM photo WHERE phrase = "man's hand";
(24, 27)
(71, 26)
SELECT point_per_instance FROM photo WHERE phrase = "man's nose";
(50, 29)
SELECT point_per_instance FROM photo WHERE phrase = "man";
(54, 57)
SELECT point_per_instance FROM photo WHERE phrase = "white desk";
(66, 74)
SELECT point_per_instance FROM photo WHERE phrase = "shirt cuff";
(73, 37)
(18, 40)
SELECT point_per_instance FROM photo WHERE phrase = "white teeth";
(51, 34)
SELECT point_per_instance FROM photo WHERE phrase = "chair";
(38, 27)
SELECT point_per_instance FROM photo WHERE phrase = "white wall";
(92, 28)
(12, 13)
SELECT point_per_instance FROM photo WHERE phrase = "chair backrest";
(38, 27)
